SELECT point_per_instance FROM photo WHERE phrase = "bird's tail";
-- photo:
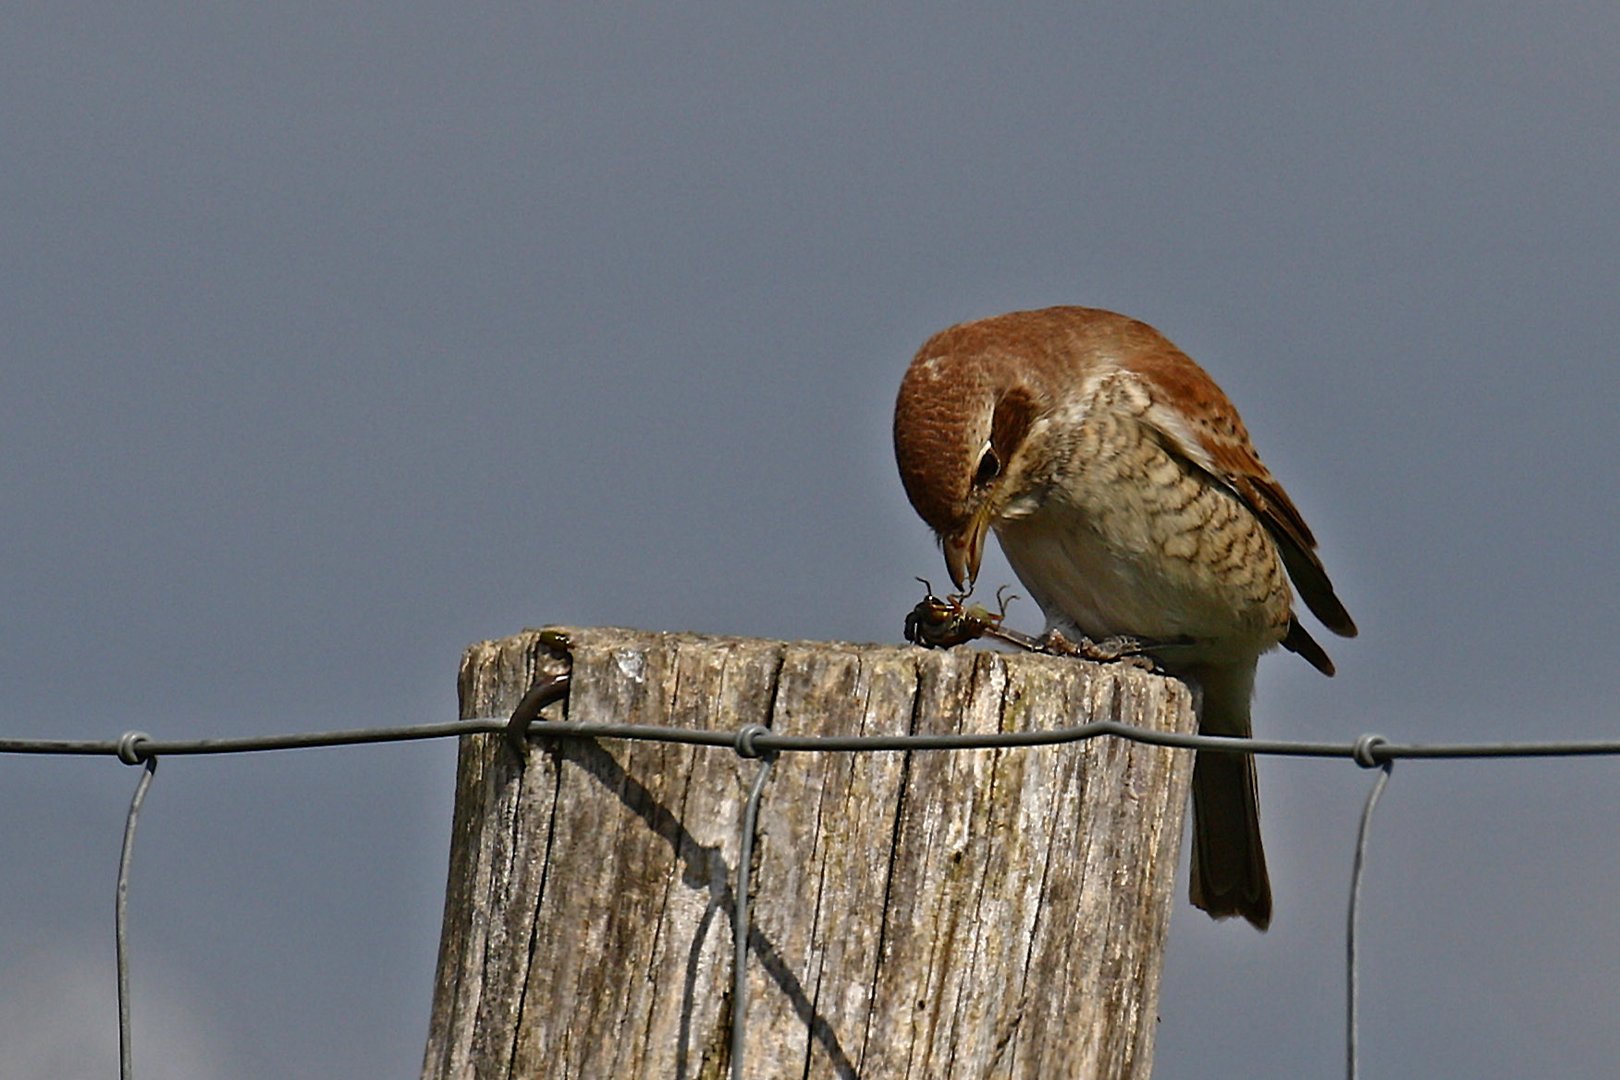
(1228, 862)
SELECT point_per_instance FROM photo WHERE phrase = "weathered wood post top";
(921, 913)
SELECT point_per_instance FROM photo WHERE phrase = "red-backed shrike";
(1124, 490)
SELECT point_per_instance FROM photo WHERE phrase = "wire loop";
(1366, 751)
(744, 744)
(129, 747)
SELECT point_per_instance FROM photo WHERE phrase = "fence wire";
(753, 741)
(1352, 989)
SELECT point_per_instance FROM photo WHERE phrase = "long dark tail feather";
(1228, 863)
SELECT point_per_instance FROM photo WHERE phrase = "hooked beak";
(963, 550)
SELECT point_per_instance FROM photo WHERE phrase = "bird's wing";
(1207, 430)
(1299, 641)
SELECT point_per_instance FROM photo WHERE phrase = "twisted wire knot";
(129, 747)
(744, 745)
(1366, 750)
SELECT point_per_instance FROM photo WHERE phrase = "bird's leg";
(1116, 649)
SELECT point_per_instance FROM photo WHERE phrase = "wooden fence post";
(932, 914)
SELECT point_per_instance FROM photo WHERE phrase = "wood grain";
(988, 913)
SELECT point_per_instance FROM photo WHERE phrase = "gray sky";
(338, 336)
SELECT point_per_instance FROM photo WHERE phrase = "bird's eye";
(989, 467)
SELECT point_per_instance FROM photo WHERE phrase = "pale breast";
(1121, 536)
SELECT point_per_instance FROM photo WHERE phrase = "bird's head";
(960, 428)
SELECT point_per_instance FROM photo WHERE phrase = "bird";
(1124, 491)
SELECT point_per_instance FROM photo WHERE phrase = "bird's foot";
(1118, 649)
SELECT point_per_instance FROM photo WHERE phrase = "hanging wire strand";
(739, 951)
(1351, 964)
(126, 1054)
